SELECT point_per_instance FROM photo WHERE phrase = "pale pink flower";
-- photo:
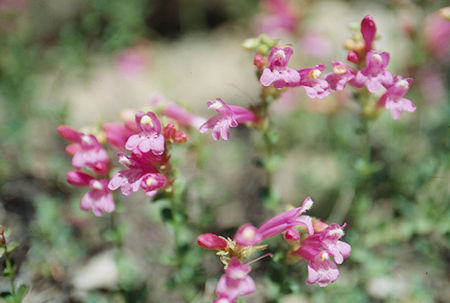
(99, 198)
(310, 80)
(318, 248)
(341, 75)
(87, 151)
(374, 75)
(182, 116)
(278, 73)
(393, 99)
(149, 137)
(235, 282)
(229, 116)
(140, 174)
(436, 33)
(248, 235)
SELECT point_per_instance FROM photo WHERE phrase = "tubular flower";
(182, 116)
(248, 235)
(374, 75)
(86, 150)
(229, 116)
(117, 134)
(314, 86)
(235, 282)
(341, 75)
(140, 174)
(318, 248)
(393, 99)
(99, 198)
(278, 73)
(149, 137)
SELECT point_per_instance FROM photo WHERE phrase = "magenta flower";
(87, 151)
(140, 174)
(341, 75)
(318, 248)
(393, 99)
(182, 116)
(99, 198)
(278, 73)
(211, 241)
(229, 116)
(368, 31)
(248, 235)
(314, 86)
(149, 137)
(117, 134)
(374, 75)
(235, 282)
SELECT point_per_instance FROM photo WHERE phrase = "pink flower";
(229, 116)
(368, 31)
(393, 99)
(140, 174)
(278, 73)
(314, 86)
(279, 18)
(248, 235)
(235, 282)
(374, 75)
(341, 74)
(318, 248)
(182, 116)
(149, 137)
(131, 62)
(87, 151)
(117, 134)
(436, 33)
(99, 198)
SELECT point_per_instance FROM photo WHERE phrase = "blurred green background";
(79, 62)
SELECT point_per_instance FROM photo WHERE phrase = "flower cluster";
(147, 164)
(308, 238)
(373, 75)
(87, 153)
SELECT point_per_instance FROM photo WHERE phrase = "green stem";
(10, 273)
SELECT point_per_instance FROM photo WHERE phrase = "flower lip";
(146, 120)
(324, 256)
(248, 233)
(97, 185)
(315, 73)
(377, 57)
(402, 84)
(238, 274)
(339, 69)
(86, 139)
(215, 105)
(279, 54)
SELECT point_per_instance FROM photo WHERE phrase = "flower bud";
(211, 241)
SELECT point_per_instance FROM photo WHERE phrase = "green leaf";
(2, 251)
(12, 246)
(21, 291)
